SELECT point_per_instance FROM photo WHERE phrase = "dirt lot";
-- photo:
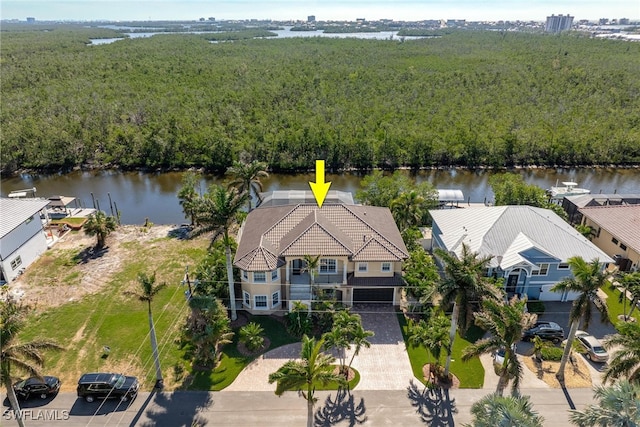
(72, 269)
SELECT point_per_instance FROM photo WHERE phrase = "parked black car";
(546, 330)
(103, 385)
(37, 387)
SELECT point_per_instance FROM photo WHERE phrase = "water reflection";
(140, 195)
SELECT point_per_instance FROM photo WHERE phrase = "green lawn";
(614, 305)
(470, 374)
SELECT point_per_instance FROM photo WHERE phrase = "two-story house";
(359, 247)
(529, 247)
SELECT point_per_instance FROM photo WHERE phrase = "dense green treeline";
(176, 101)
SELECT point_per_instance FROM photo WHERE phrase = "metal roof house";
(360, 249)
(22, 237)
(529, 246)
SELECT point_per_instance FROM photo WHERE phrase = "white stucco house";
(22, 236)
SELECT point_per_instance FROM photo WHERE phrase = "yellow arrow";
(320, 188)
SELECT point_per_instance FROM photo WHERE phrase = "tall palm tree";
(304, 375)
(359, 338)
(625, 360)
(407, 209)
(506, 323)
(619, 407)
(188, 195)
(24, 357)
(504, 411)
(311, 266)
(587, 279)
(100, 225)
(147, 291)
(246, 178)
(218, 211)
(463, 285)
(629, 285)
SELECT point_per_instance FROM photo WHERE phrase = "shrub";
(251, 336)
(551, 354)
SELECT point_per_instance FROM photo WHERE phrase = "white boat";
(568, 188)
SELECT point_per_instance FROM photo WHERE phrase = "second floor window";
(386, 267)
(328, 266)
(543, 270)
(259, 277)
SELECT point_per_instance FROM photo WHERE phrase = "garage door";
(375, 295)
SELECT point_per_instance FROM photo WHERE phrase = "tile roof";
(14, 212)
(367, 233)
(623, 222)
(505, 231)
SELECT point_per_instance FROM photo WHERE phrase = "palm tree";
(100, 225)
(148, 290)
(217, 211)
(188, 195)
(587, 279)
(407, 209)
(506, 323)
(619, 407)
(246, 178)
(208, 328)
(625, 361)
(464, 284)
(311, 266)
(314, 368)
(24, 357)
(629, 284)
(359, 340)
(504, 411)
(432, 335)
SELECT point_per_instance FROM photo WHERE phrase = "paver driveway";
(383, 366)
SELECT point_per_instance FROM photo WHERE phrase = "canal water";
(141, 195)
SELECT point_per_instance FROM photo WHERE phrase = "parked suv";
(546, 330)
(43, 388)
(102, 385)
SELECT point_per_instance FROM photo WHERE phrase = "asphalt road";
(413, 407)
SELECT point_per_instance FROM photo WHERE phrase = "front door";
(512, 282)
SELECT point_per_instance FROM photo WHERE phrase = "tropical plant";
(16, 356)
(360, 339)
(587, 279)
(407, 209)
(347, 330)
(146, 292)
(251, 335)
(299, 320)
(211, 273)
(421, 276)
(504, 411)
(311, 266)
(208, 329)
(629, 285)
(619, 406)
(304, 375)
(100, 225)
(625, 360)
(188, 195)
(432, 335)
(506, 323)
(246, 178)
(217, 211)
(463, 286)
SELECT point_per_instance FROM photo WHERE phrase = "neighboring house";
(22, 238)
(529, 246)
(573, 204)
(616, 230)
(360, 248)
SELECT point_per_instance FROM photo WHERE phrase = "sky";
(349, 10)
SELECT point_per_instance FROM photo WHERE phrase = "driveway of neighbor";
(383, 366)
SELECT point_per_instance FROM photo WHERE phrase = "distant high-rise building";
(557, 24)
(31, 20)
(311, 18)
(623, 21)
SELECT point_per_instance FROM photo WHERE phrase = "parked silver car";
(593, 348)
